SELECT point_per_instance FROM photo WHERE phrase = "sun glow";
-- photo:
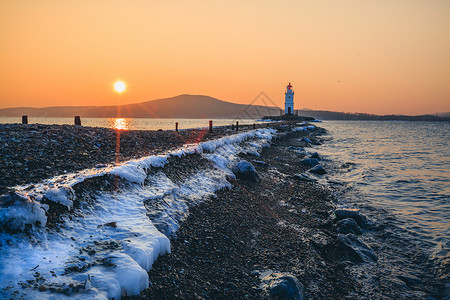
(119, 86)
(120, 124)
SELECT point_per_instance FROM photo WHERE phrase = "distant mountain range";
(182, 106)
(195, 106)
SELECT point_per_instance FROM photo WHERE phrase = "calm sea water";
(132, 124)
(401, 167)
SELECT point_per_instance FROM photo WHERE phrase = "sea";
(133, 123)
(401, 168)
(396, 172)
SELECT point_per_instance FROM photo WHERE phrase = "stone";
(303, 177)
(260, 163)
(318, 169)
(310, 162)
(284, 286)
(356, 249)
(348, 165)
(306, 140)
(246, 171)
(292, 148)
(348, 226)
(315, 155)
(354, 214)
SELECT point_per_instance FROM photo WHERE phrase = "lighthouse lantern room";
(289, 100)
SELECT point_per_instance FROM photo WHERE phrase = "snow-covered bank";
(107, 242)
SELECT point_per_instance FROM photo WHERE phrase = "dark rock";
(303, 177)
(292, 148)
(260, 163)
(319, 170)
(315, 155)
(355, 248)
(348, 226)
(246, 171)
(348, 165)
(353, 214)
(310, 162)
(284, 286)
(306, 140)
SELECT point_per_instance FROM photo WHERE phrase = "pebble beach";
(30, 153)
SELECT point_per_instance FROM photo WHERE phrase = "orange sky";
(374, 56)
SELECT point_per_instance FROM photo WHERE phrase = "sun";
(119, 86)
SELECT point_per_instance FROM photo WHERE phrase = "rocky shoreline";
(283, 237)
(277, 233)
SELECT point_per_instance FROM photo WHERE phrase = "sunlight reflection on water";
(120, 123)
(134, 123)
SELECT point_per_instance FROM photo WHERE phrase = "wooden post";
(24, 119)
(232, 126)
(237, 125)
(176, 126)
(210, 126)
(77, 120)
(254, 126)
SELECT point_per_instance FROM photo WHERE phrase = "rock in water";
(353, 214)
(319, 170)
(356, 249)
(284, 286)
(246, 171)
(310, 162)
(348, 226)
(303, 177)
(315, 155)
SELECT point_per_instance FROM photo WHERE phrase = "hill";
(182, 106)
(332, 115)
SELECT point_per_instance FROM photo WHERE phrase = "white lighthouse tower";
(289, 100)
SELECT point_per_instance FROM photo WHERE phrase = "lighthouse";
(289, 100)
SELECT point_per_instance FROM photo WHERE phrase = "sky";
(372, 56)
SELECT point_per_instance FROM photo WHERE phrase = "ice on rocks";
(64, 196)
(304, 128)
(17, 211)
(115, 258)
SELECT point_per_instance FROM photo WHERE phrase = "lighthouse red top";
(289, 87)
